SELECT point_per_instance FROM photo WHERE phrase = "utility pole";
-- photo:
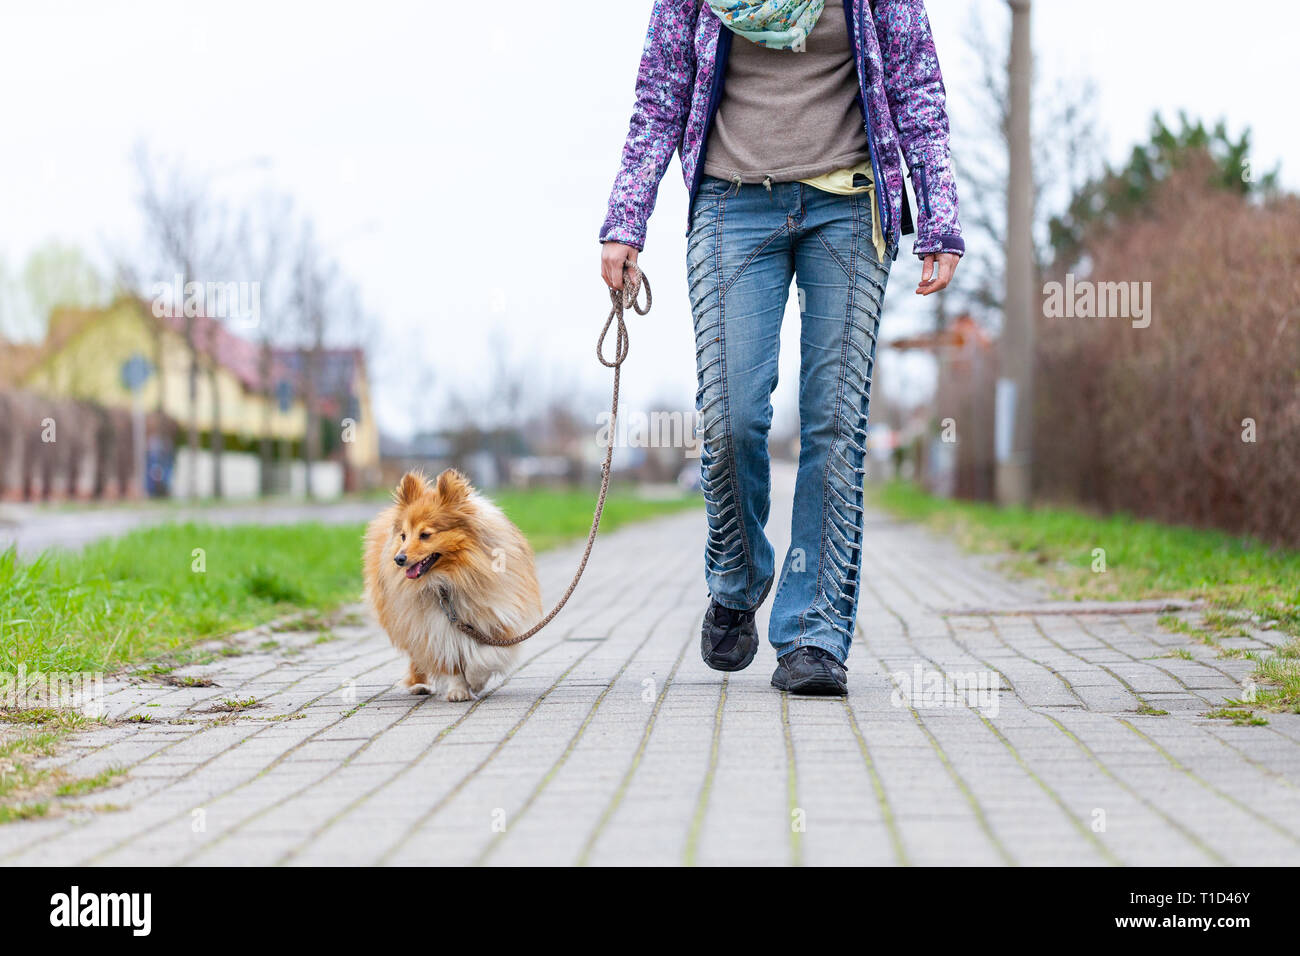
(1014, 405)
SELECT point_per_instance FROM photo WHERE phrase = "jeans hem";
(751, 607)
(841, 653)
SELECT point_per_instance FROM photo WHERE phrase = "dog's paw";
(417, 681)
(458, 690)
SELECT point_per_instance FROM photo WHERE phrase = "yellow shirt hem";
(839, 182)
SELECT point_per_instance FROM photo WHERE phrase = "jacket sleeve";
(917, 98)
(663, 98)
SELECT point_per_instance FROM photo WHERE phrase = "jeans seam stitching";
(838, 260)
(819, 592)
(749, 259)
(732, 484)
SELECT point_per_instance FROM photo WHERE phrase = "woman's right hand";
(612, 257)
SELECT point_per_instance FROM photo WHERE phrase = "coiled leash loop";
(634, 280)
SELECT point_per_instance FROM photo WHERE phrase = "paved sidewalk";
(613, 743)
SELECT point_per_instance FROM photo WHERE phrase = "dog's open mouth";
(415, 570)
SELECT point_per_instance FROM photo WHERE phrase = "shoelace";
(819, 655)
(728, 617)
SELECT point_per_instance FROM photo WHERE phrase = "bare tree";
(517, 407)
(266, 254)
(316, 285)
(1065, 149)
(189, 235)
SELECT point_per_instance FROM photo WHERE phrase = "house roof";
(15, 359)
(239, 356)
(338, 368)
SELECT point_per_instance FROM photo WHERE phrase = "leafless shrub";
(1157, 421)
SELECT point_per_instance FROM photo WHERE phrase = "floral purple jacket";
(679, 86)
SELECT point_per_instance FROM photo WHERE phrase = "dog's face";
(431, 529)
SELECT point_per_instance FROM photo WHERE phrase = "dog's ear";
(409, 488)
(453, 486)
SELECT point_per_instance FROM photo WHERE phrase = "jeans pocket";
(712, 187)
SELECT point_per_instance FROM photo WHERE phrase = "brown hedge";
(1150, 420)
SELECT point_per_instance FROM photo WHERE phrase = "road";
(33, 529)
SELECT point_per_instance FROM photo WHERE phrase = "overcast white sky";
(459, 165)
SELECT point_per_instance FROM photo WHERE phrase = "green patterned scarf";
(775, 24)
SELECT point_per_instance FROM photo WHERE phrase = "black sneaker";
(811, 671)
(729, 639)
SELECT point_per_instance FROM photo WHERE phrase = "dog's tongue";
(413, 571)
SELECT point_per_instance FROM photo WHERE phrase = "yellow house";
(87, 350)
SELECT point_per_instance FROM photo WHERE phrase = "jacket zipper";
(923, 193)
(715, 98)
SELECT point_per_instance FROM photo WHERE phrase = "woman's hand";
(612, 257)
(936, 272)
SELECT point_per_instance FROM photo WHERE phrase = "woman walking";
(789, 116)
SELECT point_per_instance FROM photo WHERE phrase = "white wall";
(326, 479)
(240, 474)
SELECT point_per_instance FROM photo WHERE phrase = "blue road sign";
(135, 372)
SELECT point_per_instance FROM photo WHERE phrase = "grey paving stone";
(613, 744)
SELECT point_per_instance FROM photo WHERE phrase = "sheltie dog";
(443, 551)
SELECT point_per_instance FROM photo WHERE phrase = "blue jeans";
(745, 246)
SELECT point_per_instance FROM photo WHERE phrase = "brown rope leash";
(634, 280)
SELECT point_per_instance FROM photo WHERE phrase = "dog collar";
(444, 602)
